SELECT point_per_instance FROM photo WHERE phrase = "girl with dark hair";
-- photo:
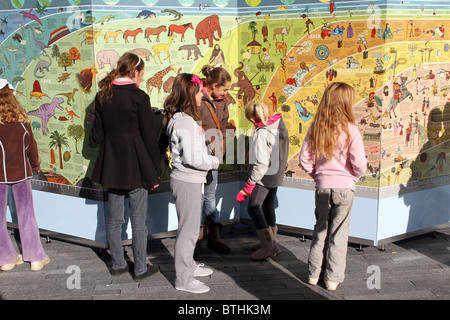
(190, 163)
(214, 116)
(128, 163)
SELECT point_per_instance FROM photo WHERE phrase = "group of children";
(332, 154)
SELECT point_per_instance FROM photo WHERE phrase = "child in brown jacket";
(18, 158)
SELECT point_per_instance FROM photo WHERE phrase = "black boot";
(198, 245)
(214, 241)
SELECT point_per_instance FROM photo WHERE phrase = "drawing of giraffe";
(157, 80)
(46, 111)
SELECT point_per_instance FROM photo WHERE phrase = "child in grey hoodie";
(190, 164)
(269, 149)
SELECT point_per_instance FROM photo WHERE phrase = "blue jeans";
(209, 201)
(115, 220)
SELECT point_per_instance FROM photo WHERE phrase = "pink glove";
(246, 192)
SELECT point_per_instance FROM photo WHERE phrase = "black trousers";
(261, 206)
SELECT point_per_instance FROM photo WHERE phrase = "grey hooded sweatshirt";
(269, 149)
(190, 159)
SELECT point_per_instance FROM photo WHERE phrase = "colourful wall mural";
(283, 52)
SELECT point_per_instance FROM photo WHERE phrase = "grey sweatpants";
(188, 202)
(328, 252)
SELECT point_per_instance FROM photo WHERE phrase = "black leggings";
(261, 206)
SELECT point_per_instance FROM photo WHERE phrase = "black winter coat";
(129, 156)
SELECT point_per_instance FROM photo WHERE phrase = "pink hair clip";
(196, 80)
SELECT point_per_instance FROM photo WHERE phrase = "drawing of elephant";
(245, 86)
(206, 29)
(107, 57)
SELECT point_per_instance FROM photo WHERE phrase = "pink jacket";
(343, 170)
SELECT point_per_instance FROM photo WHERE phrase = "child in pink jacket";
(333, 155)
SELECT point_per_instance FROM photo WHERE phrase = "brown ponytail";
(217, 75)
(126, 67)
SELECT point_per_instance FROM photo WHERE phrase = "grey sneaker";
(194, 287)
(202, 272)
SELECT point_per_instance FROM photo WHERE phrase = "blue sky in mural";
(18, 4)
(8, 4)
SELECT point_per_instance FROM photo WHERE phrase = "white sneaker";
(313, 281)
(202, 272)
(331, 286)
(194, 287)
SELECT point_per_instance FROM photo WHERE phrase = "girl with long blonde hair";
(269, 149)
(333, 155)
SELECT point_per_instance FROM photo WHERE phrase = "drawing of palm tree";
(252, 27)
(58, 140)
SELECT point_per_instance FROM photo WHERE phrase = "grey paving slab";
(413, 269)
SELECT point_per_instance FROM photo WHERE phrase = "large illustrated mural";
(394, 53)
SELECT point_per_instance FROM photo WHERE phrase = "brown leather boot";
(274, 231)
(267, 249)
(214, 241)
(198, 244)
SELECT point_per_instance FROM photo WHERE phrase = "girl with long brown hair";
(190, 163)
(214, 116)
(128, 163)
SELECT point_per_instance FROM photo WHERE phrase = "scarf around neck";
(271, 120)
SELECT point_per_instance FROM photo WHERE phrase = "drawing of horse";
(112, 34)
(179, 29)
(131, 33)
(154, 32)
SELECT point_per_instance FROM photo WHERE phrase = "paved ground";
(417, 268)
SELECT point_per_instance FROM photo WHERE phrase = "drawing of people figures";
(372, 103)
(408, 136)
(265, 31)
(380, 32)
(395, 127)
(273, 98)
(400, 127)
(283, 70)
(397, 173)
(424, 103)
(258, 92)
(397, 90)
(350, 31)
(387, 32)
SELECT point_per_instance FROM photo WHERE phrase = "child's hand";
(246, 192)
